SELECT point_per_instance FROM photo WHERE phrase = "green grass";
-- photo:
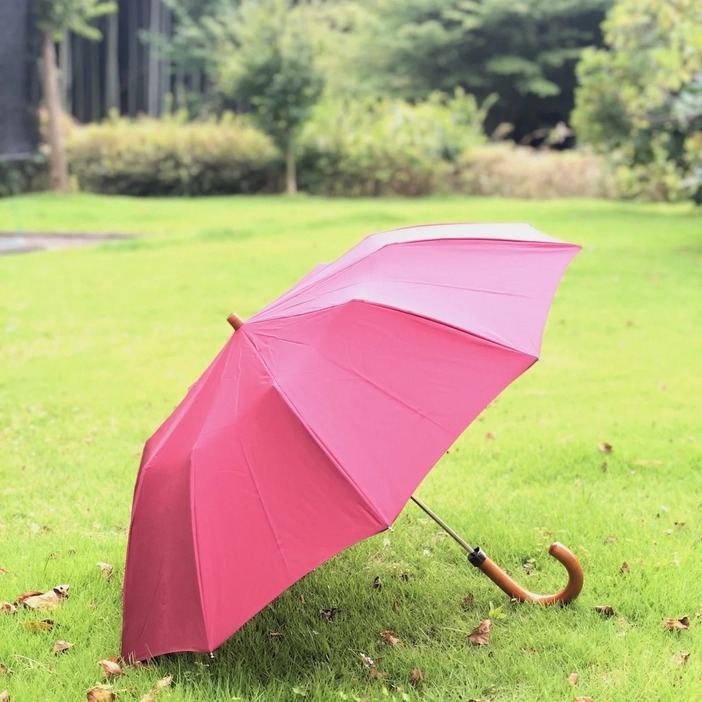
(98, 345)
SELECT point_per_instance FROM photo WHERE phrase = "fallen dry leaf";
(33, 593)
(467, 600)
(573, 679)
(3, 571)
(475, 699)
(329, 613)
(45, 600)
(681, 658)
(389, 637)
(100, 693)
(61, 646)
(645, 462)
(4, 696)
(4, 670)
(106, 568)
(416, 677)
(480, 636)
(162, 684)
(377, 583)
(42, 625)
(676, 624)
(489, 435)
(604, 447)
(7, 608)
(624, 567)
(276, 634)
(111, 668)
(376, 674)
(606, 610)
(583, 699)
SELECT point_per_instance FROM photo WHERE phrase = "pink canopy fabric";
(321, 415)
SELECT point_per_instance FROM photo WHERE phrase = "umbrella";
(320, 416)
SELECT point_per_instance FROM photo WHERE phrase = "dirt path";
(27, 242)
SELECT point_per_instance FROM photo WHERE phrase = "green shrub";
(23, 176)
(508, 170)
(387, 147)
(170, 157)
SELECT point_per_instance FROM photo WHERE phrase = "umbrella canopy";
(321, 415)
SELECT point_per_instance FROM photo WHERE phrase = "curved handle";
(509, 586)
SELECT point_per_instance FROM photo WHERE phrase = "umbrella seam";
(402, 310)
(288, 401)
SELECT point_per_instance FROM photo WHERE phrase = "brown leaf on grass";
(605, 610)
(583, 699)
(276, 634)
(61, 647)
(467, 600)
(4, 696)
(676, 624)
(480, 636)
(45, 600)
(329, 613)
(111, 668)
(573, 679)
(648, 463)
(106, 568)
(489, 435)
(416, 677)
(4, 670)
(3, 571)
(624, 568)
(100, 693)
(389, 637)
(377, 583)
(376, 674)
(604, 447)
(42, 625)
(682, 657)
(475, 699)
(162, 684)
(7, 608)
(32, 593)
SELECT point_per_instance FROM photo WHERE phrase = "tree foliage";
(58, 16)
(523, 50)
(640, 98)
(266, 58)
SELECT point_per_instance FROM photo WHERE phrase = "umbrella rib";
(288, 401)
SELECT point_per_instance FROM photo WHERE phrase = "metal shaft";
(464, 544)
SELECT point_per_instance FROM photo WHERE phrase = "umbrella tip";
(235, 321)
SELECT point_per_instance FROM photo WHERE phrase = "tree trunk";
(59, 168)
(112, 64)
(290, 171)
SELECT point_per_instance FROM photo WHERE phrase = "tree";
(53, 18)
(524, 51)
(266, 59)
(640, 98)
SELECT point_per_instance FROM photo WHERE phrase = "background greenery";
(358, 94)
(98, 344)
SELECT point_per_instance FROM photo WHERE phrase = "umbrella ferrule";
(476, 557)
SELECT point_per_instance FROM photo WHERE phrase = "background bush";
(508, 170)
(388, 147)
(171, 157)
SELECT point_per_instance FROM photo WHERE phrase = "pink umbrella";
(321, 415)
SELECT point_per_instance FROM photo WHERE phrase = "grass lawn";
(98, 344)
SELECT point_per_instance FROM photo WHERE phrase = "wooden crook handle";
(515, 591)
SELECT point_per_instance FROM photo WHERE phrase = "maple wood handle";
(515, 591)
(235, 321)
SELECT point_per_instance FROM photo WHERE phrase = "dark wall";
(18, 80)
